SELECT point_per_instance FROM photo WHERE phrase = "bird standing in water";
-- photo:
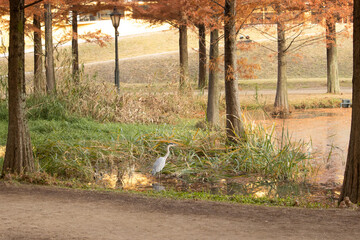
(160, 162)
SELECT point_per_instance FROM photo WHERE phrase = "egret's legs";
(160, 178)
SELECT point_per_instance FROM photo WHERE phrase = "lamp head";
(115, 18)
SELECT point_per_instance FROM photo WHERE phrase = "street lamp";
(115, 19)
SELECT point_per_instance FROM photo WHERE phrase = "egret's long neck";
(168, 151)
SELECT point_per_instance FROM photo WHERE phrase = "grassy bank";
(69, 145)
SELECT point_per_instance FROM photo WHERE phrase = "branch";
(265, 34)
(242, 24)
(306, 43)
(295, 26)
(292, 41)
(223, 7)
(270, 49)
(31, 4)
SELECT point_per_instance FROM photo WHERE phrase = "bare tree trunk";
(234, 125)
(75, 47)
(281, 100)
(39, 84)
(212, 112)
(202, 56)
(184, 61)
(351, 184)
(49, 52)
(333, 85)
(19, 155)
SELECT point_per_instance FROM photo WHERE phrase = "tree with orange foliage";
(235, 15)
(85, 6)
(61, 14)
(174, 13)
(232, 17)
(206, 15)
(328, 14)
(199, 16)
(287, 16)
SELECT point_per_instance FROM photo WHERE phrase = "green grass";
(238, 198)
(244, 199)
(70, 146)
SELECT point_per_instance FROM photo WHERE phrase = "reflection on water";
(2, 151)
(268, 189)
(328, 130)
(157, 187)
(135, 180)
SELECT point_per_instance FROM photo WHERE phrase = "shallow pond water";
(327, 130)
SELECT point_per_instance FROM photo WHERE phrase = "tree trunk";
(202, 56)
(39, 84)
(49, 52)
(212, 112)
(184, 61)
(19, 156)
(234, 125)
(75, 47)
(281, 100)
(333, 85)
(351, 184)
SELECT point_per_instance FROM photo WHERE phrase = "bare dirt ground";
(38, 212)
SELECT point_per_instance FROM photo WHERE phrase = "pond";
(327, 130)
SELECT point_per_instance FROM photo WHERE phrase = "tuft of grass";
(236, 198)
(327, 102)
(4, 112)
(46, 107)
(207, 196)
(205, 155)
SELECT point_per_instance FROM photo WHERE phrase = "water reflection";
(328, 130)
(157, 187)
(133, 181)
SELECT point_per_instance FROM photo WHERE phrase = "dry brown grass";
(102, 102)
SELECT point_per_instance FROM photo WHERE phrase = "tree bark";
(19, 155)
(75, 47)
(184, 61)
(351, 184)
(212, 112)
(333, 85)
(281, 100)
(39, 84)
(234, 125)
(49, 52)
(202, 56)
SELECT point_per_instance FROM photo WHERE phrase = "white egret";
(160, 162)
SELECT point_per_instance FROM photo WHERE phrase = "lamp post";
(115, 19)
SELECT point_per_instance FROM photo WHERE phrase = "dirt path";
(36, 212)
